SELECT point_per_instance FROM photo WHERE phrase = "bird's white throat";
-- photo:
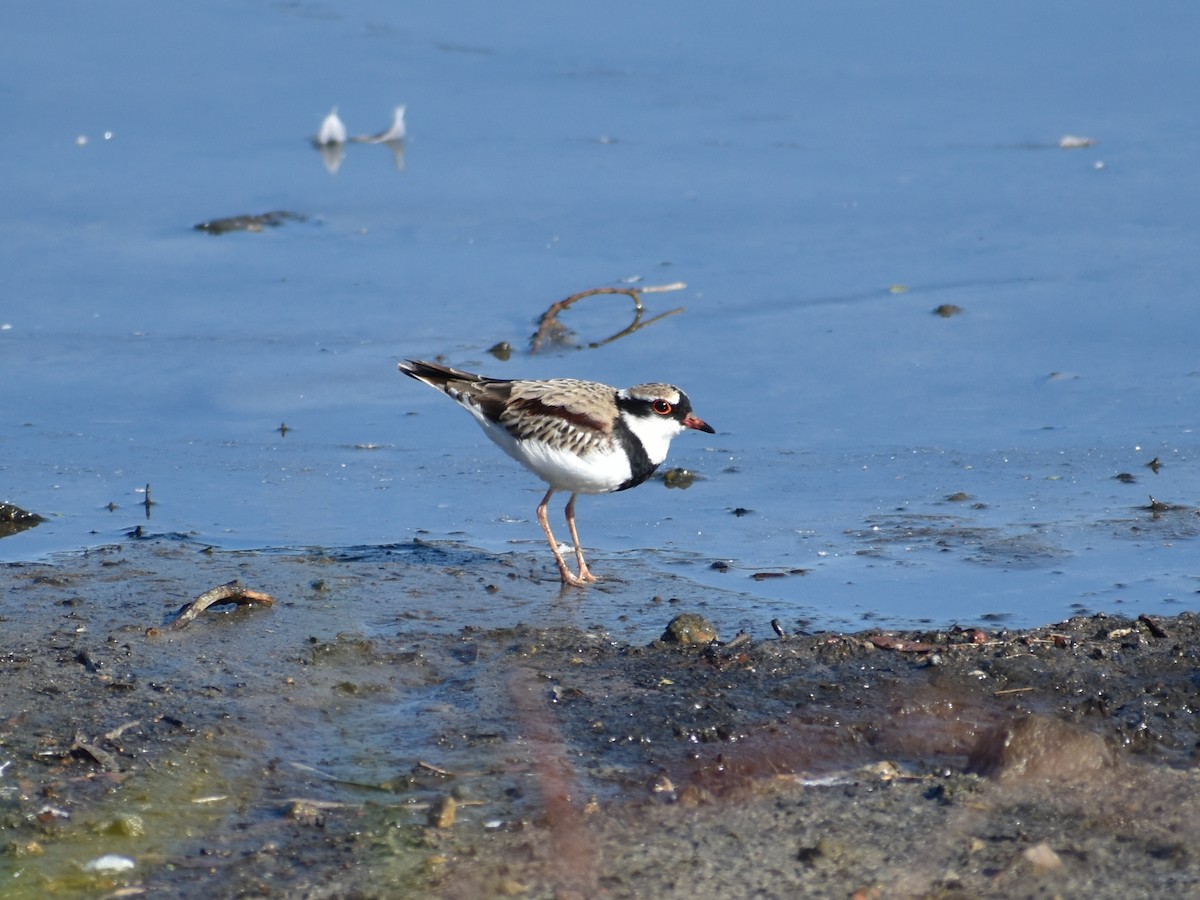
(655, 434)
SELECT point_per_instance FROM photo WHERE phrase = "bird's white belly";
(597, 472)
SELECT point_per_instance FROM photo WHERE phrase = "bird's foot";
(570, 579)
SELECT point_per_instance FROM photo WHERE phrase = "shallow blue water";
(820, 175)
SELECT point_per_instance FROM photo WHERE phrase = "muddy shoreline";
(304, 750)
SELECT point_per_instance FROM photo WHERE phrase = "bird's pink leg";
(567, 576)
(584, 574)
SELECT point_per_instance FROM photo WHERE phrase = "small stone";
(127, 825)
(662, 785)
(443, 812)
(1042, 858)
(14, 515)
(24, 848)
(305, 812)
(679, 478)
(1038, 746)
(692, 796)
(689, 628)
(110, 863)
(881, 771)
(823, 852)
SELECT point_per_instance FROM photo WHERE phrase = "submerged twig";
(549, 325)
(232, 592)
(102, 758)
(121, 729)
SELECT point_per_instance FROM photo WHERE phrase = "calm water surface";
(821, 176)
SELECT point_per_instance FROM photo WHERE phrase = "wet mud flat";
(373, 733)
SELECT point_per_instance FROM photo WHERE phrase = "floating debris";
(764, 576)
(258, 222)
(1074, 142)
(784, 573)
(331, 142)
(395, 132)
(81, 140)
(147, 502)
(946, 310)
(331, 139)
(1159, 506)
(332, 130)
(332, 156)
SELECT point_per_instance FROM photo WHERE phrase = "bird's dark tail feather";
(437, 375)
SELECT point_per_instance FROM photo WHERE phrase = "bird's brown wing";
(564, 411)
(575, 414)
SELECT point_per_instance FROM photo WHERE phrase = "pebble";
(109, 863)
(689, 628)
(1042, 858)
(443, 812)
(1038, 746)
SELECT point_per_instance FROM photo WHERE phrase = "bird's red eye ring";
(662, 407)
